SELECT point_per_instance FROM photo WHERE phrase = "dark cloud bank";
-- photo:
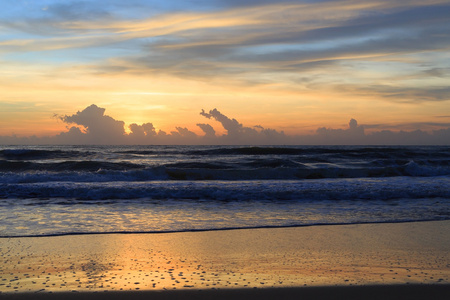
(92, 126)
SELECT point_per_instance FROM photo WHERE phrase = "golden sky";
(291, 66)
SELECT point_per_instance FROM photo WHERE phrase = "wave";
(145, 163)
(220, 228)
(272, 190)
(105, 171)
(86, 166)
(349, 151)
(39, 154)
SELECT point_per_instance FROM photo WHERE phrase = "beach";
(391, 258)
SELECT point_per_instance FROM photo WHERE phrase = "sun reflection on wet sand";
(285, 257)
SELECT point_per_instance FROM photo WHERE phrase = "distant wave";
(35, 154)
(341, 151)
(262, 169)
(274, 190)
(39, 152)
(65, 166)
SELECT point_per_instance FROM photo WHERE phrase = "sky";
(217, 71)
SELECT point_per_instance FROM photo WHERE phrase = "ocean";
(59, 190)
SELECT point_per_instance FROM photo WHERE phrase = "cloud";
(184, 133)
(437, 72)
(417, 137)
(354, 134)
(141, 134)
(208, 130)
(240, 134)
(249, 42)
(100, 128)
(146, 129)
(284, 43)
(232, 126)
(94, 127)
(399, 93)
(214, 33)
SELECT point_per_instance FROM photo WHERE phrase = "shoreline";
(398, 256)
(214, 229)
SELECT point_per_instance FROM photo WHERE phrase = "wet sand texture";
(402, 256)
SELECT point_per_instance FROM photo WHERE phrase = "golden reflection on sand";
(284, 257)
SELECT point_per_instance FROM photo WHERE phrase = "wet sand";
(381, 259)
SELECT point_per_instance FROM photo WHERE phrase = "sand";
(403, 258)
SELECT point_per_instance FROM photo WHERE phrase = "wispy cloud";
(249, 45)
(403, 94)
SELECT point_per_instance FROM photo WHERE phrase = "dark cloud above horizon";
(92, 126)
(99, 127)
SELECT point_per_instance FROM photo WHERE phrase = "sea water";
(54, 190)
